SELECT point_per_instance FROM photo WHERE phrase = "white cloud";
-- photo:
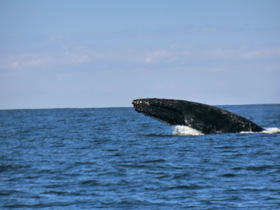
(262, 53)
(156, 56)
(170, 55)
(214, 54)
(44, 60)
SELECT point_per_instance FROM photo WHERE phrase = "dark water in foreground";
(117, 158)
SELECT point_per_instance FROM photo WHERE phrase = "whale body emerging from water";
(204, 118)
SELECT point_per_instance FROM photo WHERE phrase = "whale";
(204, 118)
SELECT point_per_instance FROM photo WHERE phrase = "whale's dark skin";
(205, 118)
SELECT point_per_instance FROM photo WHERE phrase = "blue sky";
(93, 53)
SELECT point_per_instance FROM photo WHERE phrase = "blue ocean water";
(116, 158)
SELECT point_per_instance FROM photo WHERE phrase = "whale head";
(165, 110)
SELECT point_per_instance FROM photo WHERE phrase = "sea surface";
(116, 158)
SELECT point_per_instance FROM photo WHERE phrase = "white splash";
(182, 130)
(271, 130)
(266, 130)
(245, 132)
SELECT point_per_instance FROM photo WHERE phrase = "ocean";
(116, 158)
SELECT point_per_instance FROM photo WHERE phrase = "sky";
(92, 53)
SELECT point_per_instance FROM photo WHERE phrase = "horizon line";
(112, 107)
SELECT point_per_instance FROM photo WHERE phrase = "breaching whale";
(202, 117)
